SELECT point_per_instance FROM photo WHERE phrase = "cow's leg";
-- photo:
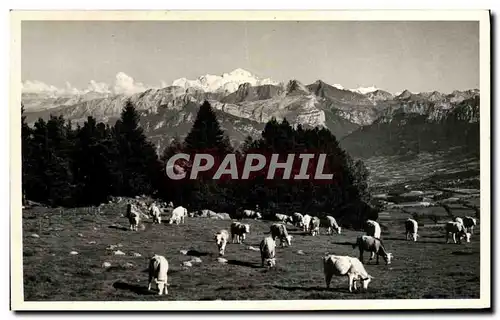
(166, 284)
(351, 280)
(377, 257)
(161, 286)
(454, 238)
(328, 279)
(150, 283)
(447, 239)
(372, 255)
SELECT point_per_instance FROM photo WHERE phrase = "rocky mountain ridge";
(244, 110)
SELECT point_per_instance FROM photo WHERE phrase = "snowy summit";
(228, 82)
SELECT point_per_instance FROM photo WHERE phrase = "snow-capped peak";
(365, 90)
(228, 82)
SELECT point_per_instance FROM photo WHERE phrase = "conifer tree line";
(65, 166)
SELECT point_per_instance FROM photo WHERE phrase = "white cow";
(297, 219)
(155, 213)
(239, 231)
(314, 226)
(345, 266)
(332, 225)
(411, 227)
(278, 230)
(158, 270)
(456, 229)
(221, 239)
(251, 214)
(133, 216)
(372, 228)
(374, 246)
(469, 223)
(306, 222)
(268, 252)
(179, 215)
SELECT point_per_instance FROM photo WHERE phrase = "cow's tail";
(355, 244)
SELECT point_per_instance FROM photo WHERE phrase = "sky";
(134, 55)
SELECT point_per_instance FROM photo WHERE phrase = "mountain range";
(367, 121)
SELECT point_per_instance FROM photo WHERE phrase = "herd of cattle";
(333, 265)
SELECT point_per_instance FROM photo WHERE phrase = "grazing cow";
(374, 246)
(297, 219)
(282, 217)
(239, 231)
(268, 252)
(155, 213)
(332, 225)
(178, 215)
(221, 239)
(158, 269)
(372, 228)
(278, 230)
(314, 226)
(251, 214)
(306, 222)
(411, 227)
(469, 223)
(456, 229)
(345, 266)
(133, 216)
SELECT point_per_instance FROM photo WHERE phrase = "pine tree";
(94, 163)
(206, 133)
(138, 162)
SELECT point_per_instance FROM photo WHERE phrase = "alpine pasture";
(82, 254)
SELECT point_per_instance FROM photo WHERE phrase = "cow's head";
(219, 239)
(271, 263)
(388, 258)
(247, 228)
(366, 281)
(289, 240)
(339, 230)
(467, 236)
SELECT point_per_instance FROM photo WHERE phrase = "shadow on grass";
(244, 264)
(345, 243)
(463, 253)
(196, 253)
(142, 290)
(308, 289)
(299, 233)
(118, 228)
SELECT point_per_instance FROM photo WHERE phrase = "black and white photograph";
(264, 160)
